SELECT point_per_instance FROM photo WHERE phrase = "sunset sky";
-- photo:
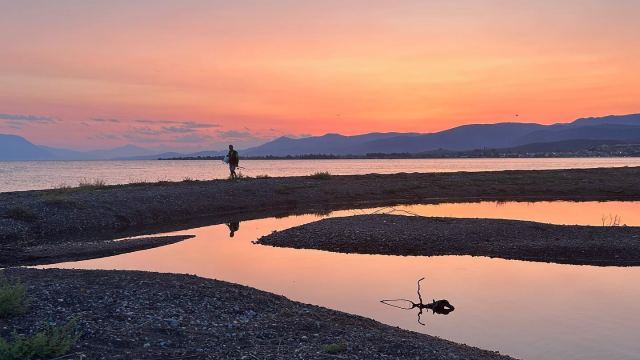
(193, 75)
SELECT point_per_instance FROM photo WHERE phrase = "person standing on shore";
(234, 161)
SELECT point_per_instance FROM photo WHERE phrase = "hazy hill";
(563, 146)
(14, 147)
(633, 119)
(119, 152)
(325, 144)
(622, 128)
(466, 137)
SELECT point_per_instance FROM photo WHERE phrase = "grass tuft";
(239, 176)
(288, 189)
(59, 199)
(321, 175)
(139, 183)
(86, 184)
(53, 341)
(334, 348)
(62, 188)
(12, 298)
(21, 213)
(263, 176)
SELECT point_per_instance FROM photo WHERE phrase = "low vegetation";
(321, 175)
(334, 349)
(287, 189)
(51, 342)
(59, 199)
(239, 176)
(62, 188)
(611, 220)
(86, 184)
(12, 298)
(21, 213)
(263, 176)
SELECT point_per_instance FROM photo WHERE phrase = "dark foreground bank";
(141, 315)
(76, 251)
(100, 212)
(431, 236)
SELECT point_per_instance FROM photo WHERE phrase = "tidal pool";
(529, 310)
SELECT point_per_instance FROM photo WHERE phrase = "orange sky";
(200, 74)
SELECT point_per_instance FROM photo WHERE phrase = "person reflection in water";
(233, 227)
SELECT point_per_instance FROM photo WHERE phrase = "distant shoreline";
(391, 157)
(331, 157)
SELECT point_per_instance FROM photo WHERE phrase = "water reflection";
(441, 307)
(233, 227)
(552, 311)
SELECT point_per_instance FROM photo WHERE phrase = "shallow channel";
(529, 310)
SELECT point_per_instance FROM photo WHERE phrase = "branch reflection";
(442, 307)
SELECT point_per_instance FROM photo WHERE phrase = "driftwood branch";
(419, 295)
(436, 306)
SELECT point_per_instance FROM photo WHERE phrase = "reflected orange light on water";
(555, 212)
(568, 312)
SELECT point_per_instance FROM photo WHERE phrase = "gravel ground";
(87, 214)
(70, 251)
(142, 315)
(430, 236)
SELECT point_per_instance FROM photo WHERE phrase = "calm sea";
(32, 175)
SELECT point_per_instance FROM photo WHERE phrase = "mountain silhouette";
(466, 137)
(13, 147)
(608, 129)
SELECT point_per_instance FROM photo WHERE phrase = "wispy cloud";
(146, 131)
(178, 129)
(106, 120)
(235, 134)
(27, 118)
(194, 139)
(190, 124)
(105, 136)
(159, 122)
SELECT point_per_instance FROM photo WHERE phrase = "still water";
(35, 175)
(525, 309)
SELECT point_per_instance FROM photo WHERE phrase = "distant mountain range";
(623, 128)
(13, 147)
(466, 137)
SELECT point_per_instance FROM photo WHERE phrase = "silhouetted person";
(234, 160)
(233, 227)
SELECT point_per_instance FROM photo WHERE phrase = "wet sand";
(433, 236)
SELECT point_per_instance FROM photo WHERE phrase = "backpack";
(234, 159)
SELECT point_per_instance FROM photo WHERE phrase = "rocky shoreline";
(34, 218)
(126, 315)
(144, 315)
(432, 236)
